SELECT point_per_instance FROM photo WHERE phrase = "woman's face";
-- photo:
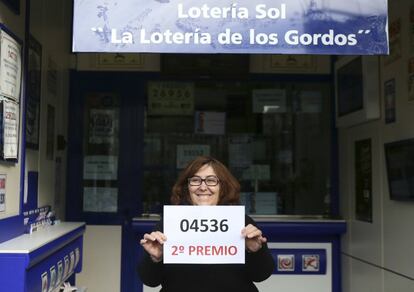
(206, 193)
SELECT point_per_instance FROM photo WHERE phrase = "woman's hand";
(254, 238)
(152, 243)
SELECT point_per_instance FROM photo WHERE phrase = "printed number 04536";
(204, 225)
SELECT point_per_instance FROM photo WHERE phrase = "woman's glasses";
(210, 181)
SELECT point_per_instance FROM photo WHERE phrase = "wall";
(378, 256)
(102, 259)
(50, 25)
(15, 24)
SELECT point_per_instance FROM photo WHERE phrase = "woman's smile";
(204, 194)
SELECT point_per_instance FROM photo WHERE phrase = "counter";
(43, 260)
(306, 250)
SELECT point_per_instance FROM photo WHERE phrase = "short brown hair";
(229, 186)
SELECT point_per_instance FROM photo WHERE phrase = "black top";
(209, 277)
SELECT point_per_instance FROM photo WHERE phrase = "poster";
(33, 89)
(170, 98)
(100, 167)
(363, 180)
(186, 153)
(213, 123)
(411, 79)
(389, 101)
(10, 131)
(103, 126)
(100, 199)
(10, 67)
(2, 193)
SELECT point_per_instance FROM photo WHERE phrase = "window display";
(281, 155)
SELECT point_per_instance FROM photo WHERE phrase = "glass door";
(104, 147)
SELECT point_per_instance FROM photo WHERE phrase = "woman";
(206, 181)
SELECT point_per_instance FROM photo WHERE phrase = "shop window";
(274, 137)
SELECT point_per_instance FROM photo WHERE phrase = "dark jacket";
(208, 277)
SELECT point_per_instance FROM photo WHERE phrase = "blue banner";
(350, 27)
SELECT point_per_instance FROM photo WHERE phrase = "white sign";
(204, 235)
(103, 125)
(186, 153)
(10, 67)
(100, 167)
(96, 199)
(170, 98)
(11, 129)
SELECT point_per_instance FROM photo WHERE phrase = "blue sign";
(332, 27)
